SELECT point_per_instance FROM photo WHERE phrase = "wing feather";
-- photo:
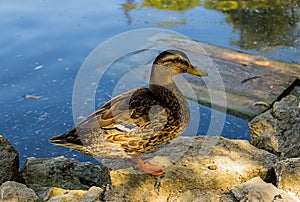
(126, 120)
(125, 109)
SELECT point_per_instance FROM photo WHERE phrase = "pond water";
(43, 44)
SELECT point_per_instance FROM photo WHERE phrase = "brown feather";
(139, 120)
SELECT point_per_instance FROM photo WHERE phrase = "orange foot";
(148, 168)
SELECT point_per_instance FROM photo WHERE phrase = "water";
(43, 44)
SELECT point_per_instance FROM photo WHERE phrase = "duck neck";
(163, 77)
(164, 88)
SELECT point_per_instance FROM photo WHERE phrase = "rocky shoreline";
(207, 169)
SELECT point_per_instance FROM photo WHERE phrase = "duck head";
(178, 62)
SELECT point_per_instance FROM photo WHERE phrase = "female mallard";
(139, 120)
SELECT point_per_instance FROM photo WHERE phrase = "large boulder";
(258, 190)
(64, 173)
(9, 161)
(208, 170)
(11, 191)
(288, 175)
(278, 129)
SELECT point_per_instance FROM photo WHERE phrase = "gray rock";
(278, 129)
(204, 173)
(9, 161)
(258, 190)
(11, 191)
(94, 194)
(43, 193)
(64, 173)
(288, 175)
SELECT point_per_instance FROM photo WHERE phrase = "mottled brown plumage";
(139, 120)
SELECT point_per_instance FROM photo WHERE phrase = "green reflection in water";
(261, 23)
(175, 5)
(171, 23)
(129, 6)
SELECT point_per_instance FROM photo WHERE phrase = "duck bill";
(197, 72)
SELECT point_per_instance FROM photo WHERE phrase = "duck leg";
(148, 168)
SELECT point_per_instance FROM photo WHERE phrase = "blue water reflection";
(56, 37)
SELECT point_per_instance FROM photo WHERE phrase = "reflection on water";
(175, 5)
(261, 23)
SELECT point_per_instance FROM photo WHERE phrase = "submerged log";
(248, 84)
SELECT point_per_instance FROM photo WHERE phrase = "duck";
(137, 121)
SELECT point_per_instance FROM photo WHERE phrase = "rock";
(208, 170)
(278, 129)
(11, 191)
(288, 175)
(9, 161)
(64, 173)
(71, 196)
(258, 190)
(94, 194)
(56, 191)
(43, 193)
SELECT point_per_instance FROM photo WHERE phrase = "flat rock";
(9, 161)
(209, 168)
(288, 175)
(11, 191)
(71, 196)
(278, 129)
(64, 173)
(258, 190)
(94, 194)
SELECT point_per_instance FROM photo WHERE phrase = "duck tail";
(70, 137)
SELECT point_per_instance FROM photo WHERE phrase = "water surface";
(43, 44)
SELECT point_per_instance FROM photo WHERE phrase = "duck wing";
(131, 123)
(124, 112)
(129, 120)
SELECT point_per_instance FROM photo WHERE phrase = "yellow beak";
(197, 72)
